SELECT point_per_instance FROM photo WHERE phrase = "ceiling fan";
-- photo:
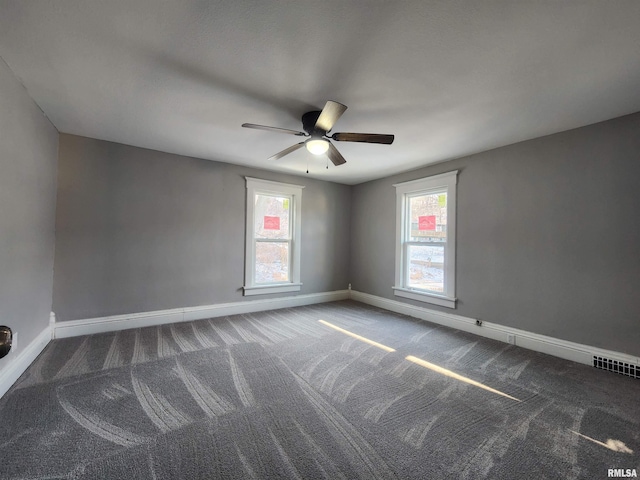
(316, 126)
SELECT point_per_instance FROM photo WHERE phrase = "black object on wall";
(6, 337)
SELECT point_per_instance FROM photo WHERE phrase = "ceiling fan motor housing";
(309, 120)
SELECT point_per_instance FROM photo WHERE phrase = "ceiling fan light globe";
(317, 146)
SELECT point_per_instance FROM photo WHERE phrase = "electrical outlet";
(349, 286)
(511, 338)
(479, 323)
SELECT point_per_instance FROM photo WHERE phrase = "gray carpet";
(281, 395)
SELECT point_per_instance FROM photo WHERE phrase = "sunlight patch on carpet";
(358, 337)
(450, 374)
(611, 444)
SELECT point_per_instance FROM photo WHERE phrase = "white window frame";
(256, 186)
(445, 182)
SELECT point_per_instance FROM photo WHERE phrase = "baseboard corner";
(17, 364)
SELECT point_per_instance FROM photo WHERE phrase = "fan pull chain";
(327, 163)
(307, 165)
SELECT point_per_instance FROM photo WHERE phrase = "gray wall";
(548, 235)
(139, 230)
(28, 158)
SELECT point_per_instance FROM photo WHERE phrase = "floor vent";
(622, 368)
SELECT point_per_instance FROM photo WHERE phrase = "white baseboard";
(540, 343)
(112, 323)
(20, 362)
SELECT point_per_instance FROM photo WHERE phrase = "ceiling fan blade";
(274, 129)
(330, 114)
(363, 137)
(286, 151)
(335, 156)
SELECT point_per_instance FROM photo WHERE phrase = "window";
(272, 251)
(426, 239)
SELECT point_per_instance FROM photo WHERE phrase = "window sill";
(275, 288)
(425, 297)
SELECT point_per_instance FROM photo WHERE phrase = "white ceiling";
(448, 78)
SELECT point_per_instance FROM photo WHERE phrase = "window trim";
(294, 192)
(432, 184)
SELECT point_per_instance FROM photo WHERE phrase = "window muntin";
(425, 239)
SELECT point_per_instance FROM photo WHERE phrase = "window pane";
(428, 218)
(272, 262)
(426, 267)
(271, 218)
